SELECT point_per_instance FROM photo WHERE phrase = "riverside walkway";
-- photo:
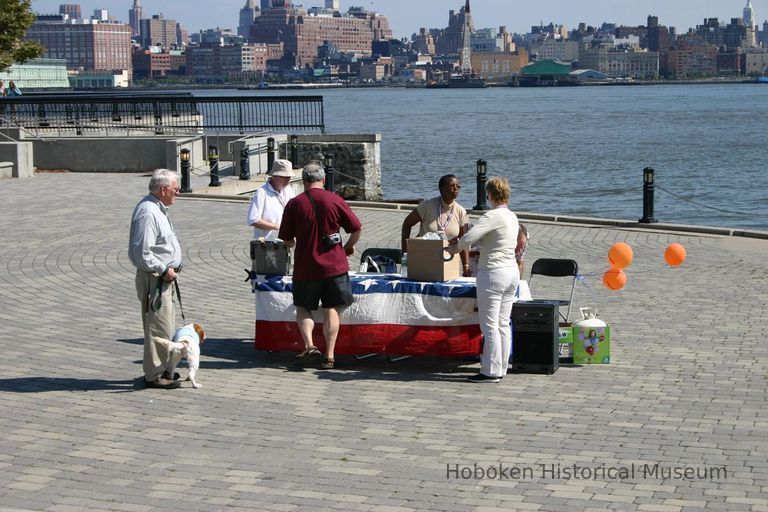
(686, 390)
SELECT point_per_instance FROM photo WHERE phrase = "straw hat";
(282, 168)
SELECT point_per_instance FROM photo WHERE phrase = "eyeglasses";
(175, 190)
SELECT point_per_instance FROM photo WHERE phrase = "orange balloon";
(620, 255)
(614, 279)
(674, 255)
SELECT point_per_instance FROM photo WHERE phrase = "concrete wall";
(357, 160)
(114, 154)
(20, 156)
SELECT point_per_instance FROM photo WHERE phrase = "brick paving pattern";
(686, 388)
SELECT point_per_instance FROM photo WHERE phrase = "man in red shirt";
(312, 221)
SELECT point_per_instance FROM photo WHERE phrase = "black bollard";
(213, 162)
(648, 191)
(329, 174)
(245, 169)
(295, 150)
(185, 166)
(482, 170)
(270, 152)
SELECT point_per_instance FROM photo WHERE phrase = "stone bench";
(6, 170)
(19, 156)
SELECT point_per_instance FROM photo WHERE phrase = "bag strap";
(314, 207)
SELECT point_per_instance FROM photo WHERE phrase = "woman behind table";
(497, 278)
(441, 213)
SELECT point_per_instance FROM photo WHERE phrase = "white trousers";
(495, 295)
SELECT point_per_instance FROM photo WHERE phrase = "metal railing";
(163, 114)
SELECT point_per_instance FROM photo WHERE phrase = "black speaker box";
(535, 336)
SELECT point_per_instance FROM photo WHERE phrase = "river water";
(573, 150)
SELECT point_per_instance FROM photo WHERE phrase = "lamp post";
(648, 191)
(329, 173)
(482, 170)
(245, 170)
(270, 152)
(295, 150)
(213, 162)
(185, 165)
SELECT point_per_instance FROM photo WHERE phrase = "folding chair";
(553, 267)
(378, 254)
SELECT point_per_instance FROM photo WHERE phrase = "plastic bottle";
(404, 265)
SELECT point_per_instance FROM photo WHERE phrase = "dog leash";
(156, 300)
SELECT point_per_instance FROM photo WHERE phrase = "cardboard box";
(592, 345)
(426, 261)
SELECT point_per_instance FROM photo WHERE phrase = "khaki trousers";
(158, 325)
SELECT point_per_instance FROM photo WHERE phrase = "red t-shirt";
(312, 259)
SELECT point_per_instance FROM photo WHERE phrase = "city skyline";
(407, 16)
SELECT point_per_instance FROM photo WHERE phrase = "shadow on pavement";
(45, 384)
(232, 353)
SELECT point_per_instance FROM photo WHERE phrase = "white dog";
(186, 345)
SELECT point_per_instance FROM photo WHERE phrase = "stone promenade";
(683, 403)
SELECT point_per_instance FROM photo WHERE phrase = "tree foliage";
(15, 18)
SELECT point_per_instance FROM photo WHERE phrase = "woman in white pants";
(497, 278)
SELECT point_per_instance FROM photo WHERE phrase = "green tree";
(15, 18)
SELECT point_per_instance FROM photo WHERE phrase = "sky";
(407, 16)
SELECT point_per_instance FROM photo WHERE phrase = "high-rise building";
(749, 15)
(450, 40)
(85, 45)
(135, 15)
(158, 31)
(301, 34)
(266, 4)
(332, 4)
(100, 15)
(658, 35)
(247, 14)
(71, 10)
(691, 56)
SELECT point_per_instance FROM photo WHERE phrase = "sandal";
(328, 364)
(306, 355)
(309, 352)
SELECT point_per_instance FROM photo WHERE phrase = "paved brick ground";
(687, 387)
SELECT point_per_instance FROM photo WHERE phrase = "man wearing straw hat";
(266, 210)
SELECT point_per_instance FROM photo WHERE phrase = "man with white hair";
(268, 203)
(155, 252)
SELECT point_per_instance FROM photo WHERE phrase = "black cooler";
(535, 336)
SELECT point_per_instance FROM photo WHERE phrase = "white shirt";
(268, 204)
(497, 230)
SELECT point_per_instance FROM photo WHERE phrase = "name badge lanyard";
(440, 214)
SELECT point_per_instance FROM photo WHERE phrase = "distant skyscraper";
(100, 15)
(465, 57)
(247, 15)
(71, 10)
(332, 4)
(158, 31)
(135, 15)
(749, 15)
